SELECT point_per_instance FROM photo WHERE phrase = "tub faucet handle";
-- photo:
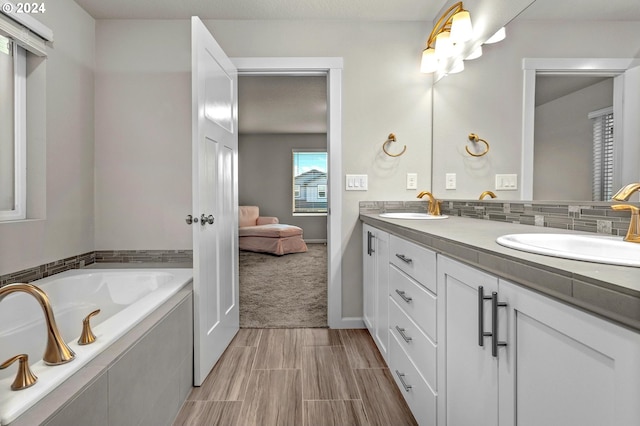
(87, 335)
(24, 378)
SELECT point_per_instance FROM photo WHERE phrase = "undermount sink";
(409, 215)
(589, 248)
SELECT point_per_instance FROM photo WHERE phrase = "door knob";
(206, 219)
(190, 219)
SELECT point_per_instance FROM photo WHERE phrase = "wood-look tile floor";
(298, 377)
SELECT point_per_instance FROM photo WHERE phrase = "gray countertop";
(610, 291)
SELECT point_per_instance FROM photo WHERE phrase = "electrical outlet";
(412, 181)
(450, 181)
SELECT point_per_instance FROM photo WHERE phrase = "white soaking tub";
(124, 296)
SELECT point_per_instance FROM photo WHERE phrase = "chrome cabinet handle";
(481, 333)
(494, 327)
(403, 335)
(190, 219)
(400, 375)
(404, 258)
(404, 296)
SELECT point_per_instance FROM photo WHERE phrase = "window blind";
(603, 125)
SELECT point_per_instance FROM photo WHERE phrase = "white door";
(214, 186)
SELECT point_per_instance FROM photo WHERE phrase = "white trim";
(557, 66)
(332, 67)
(29, 22)
(20, 137)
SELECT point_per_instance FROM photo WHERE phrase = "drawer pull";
(404, 336)
(404, 258)
(400, 375)
(402, 294)
(481, 333)
(494, 326)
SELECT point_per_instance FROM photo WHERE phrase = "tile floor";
(308, 377)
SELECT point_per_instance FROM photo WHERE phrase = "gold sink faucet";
(487, 193)
(57, 351)
(625, 192)
(434, 205)
(633, 233)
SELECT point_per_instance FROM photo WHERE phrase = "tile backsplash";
(589, 217)
(100, 256)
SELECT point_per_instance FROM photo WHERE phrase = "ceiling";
(361, 10)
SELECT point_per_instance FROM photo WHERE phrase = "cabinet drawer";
(416, 261)
(420, 349)
(419, 396)
(415, 300)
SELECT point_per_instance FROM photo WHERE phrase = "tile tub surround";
(609, 291)
(120, 386)
(100, 256)
(595, 217)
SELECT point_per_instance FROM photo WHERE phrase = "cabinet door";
(469, 379)
(368, 277)
(566, 367)
(382, 293)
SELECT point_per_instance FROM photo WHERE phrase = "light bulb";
(477, 52)
(498, 36)
(429, 62)
(461, 29)
(444, 45)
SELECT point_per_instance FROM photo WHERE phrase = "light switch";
(412, 181)
(356, 183)
(450, 181)
(506, 182)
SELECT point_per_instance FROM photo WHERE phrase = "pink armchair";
(265, 234)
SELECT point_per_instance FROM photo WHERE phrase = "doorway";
(282, 169)
(332, 69)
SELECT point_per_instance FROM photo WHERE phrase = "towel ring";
(392, 138)
(475, 138)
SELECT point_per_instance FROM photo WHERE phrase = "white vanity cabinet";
(412, 326)
(541, 362)
(375, 278)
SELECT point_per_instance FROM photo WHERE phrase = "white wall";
(68, 228)
(486, 98)
(143, 112)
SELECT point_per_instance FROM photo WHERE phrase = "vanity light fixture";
(453, 27)
(498, 36)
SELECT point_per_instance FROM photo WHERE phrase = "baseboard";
(310, 241)
(348, 322)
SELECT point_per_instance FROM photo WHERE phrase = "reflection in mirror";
(568, 137)
(488, 98)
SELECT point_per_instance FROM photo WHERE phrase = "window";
(12, 130)
(602, 154)
(322, 191)
(309, 182)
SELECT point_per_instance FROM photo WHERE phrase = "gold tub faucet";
(57, 351)
(434, 205)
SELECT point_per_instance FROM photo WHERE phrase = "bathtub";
(125, 297)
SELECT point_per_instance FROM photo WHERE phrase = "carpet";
(287, 291)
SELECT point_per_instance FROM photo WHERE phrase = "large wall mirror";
(489, 98)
